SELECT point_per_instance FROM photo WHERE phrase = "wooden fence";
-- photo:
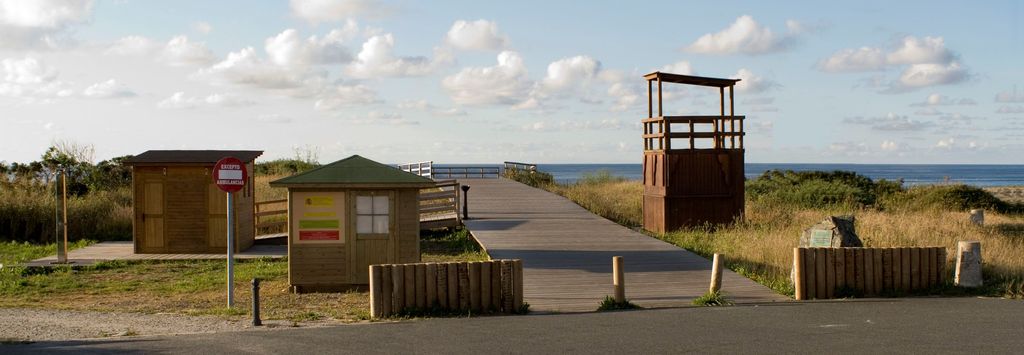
(423, 168)
(439, 205)
(520, 166)
(478, 286)
(824, 273)
(452, 172)
(271, 216)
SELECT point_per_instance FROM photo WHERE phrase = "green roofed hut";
(347, 215)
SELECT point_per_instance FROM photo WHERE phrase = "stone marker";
(968, 264)
(832, 232)
(978, 216)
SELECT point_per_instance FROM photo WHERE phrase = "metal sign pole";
(231, 258)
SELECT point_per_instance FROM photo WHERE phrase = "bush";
(949, 198)
(28, 214)
(819, 189)
(529, 177)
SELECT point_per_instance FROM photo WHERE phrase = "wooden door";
(217, 203)
(373, 243)
(186, 210)
(153, 213)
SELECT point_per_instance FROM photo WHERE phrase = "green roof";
(353, 170)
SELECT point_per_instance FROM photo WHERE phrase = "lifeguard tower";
(693, 165)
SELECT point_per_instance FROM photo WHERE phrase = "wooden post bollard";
(398, 288)
(386, 286)
(453, 286)
(474, 286)
(799, 287)
(820, 273)
(716, 273)
(376, 291)
(421, 286)
(517, 285)
(506, 286)
(463, 286)
(495, 284)
(618, 279)
(485, 286)
(978, 217)
(431, 281)
(442, 285)
(915, 268)
(410, 285)
(968, 264)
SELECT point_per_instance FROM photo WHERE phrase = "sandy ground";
(27, 324)
(1008, 193)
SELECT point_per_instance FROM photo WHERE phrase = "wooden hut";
(179, 209)
(347, 215)
(693, 165)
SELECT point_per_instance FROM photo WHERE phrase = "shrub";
(609, 304)
(819, 189)
(948, 198)
(529, 177)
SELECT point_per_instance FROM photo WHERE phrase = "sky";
(907, 82)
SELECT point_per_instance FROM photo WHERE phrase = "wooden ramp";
(567, 253)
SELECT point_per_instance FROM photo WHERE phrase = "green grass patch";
(609, 304)
(712, 299)
(451, 244)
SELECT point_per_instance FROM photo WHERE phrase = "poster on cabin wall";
(318, 217)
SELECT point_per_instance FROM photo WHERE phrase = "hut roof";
(691, 80)
(354, 171)
(191, 156)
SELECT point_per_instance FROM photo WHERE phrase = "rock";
(832, 232)
(968, 264)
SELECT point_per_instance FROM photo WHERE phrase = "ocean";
(912, 174)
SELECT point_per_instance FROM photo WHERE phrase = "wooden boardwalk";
(567, 253)
(124, 251)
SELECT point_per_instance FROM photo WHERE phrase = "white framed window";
(373, 214)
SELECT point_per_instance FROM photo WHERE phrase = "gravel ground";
(26, 324)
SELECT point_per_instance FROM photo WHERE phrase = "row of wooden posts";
(830, 272)
(619, 277)
(477, 286)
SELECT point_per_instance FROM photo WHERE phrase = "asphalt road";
(910, 325)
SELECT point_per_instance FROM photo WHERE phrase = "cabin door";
(150, 220)
(372, 224)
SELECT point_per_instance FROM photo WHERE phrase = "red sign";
(319, 235)
(229, 174)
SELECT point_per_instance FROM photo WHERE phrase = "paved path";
(567, 253)
(123, 250)
(870, 326)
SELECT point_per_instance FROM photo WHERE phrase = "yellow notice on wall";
(319, 201)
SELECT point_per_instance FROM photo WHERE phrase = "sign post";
(230, 176)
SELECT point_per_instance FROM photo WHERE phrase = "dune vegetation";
(780, 205)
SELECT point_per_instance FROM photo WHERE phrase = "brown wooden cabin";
(347, 215)
(179, 209)
(693, 165)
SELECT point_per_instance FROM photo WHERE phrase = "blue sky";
(483, 82)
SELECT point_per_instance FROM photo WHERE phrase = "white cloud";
(54, 88)
(1010, 96)
(1010, 109)
(246, 68)
(889, 122)
(35, 22)
(345, 96)
(476, 35)
(107, 90)
(179, 101)
(332, 10)
(574, 126)
(506, 83)
(27, 71)
(919, 51)
(943, 100)
(744, 36)
(854, 60)
(626, 96)
(930, 74)
(377, 59)
(179, 51)
(568, 73)
(133, 45)
(202, 27)
(889, 146)
(288, 49)
(752, 83)
(849, 148)
(946, 143)
(680, 67)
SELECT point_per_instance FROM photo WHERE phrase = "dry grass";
(760, 247)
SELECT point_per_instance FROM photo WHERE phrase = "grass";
(760, 246)
(712, 299)
(192, 287)
(609, 304)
